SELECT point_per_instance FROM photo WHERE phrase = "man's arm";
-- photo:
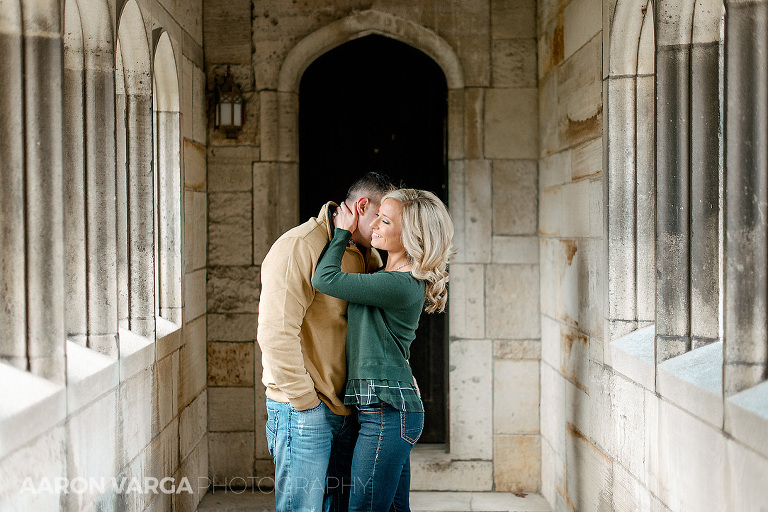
(286, 293)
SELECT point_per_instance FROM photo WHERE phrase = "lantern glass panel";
(226, 114)
(238, 108)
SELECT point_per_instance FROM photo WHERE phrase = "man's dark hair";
(374, 184)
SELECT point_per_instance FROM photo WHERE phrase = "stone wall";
(625, 423)
(129, 402)
(487, 50)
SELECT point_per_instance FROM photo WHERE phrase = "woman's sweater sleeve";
(382, 289)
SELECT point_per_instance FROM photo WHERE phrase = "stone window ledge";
(433, 469)
(633, 356)
(168, 337)
(747, 417)
(89, 375)
(137, 353)
(29, 407)
(694, 382)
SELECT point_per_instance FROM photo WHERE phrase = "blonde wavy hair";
(427, 235)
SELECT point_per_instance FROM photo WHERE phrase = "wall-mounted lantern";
(230, 106)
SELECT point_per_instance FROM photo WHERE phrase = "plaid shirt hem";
(400, 395)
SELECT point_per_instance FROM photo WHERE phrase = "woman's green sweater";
(383, 313)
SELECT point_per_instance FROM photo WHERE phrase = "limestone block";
(194, 165)
(596, 215)
(434, 470)
(580, 94)
(579, 408)
(575, 209)
(516, 18)
(515, 197)
(746, 416)
(267, 58)
(137, 404)
(552, 476)
(516, 397)
(582, 21)
(574, 357)
(200, 107)
(189, 471)
(227, 31)
(588, 474)
(474, 55)
(551, 211)
(467, 301)
(511, 123)
(517, 349)
(745, 472)
(164, 451)
(514, 63)
(193, 424)
(231, 409)
(457, 207)
(555, 169)
(517, 463)
(230, 455)
(233, 289)
(551, 44)
(268, 134)
(474, 99)
(92, 446)
(549, 131)
(471, 399)
(195, 230)
(231, 364)
(512, 308)
(232, 327)
(89, 375)
(230, 225)
(587, 159)
(628, 493)
(550, 342)
(167, 388)
(194, 294)
(288, 127)
(229, 168)
(627, 410)
(478, 211)
(456, 119)
(266, 200)
(135, 471)
(602, 427)
(186, 102)
(42, 459)
(553, 409)
(681, 452)
(192, 355)
(515, 249)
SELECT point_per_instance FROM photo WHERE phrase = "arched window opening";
(136, 237)
(167, 151)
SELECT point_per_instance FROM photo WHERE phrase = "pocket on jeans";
(411, 425)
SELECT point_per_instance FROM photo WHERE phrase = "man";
(302, 335)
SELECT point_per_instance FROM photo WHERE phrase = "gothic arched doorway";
(376, 104)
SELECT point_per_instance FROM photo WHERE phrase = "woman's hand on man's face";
(345, 218)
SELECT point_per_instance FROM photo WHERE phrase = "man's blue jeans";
(381, 470)
(312, 451)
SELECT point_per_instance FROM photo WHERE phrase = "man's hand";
(345, 218)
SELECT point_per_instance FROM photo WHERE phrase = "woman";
(414, 227)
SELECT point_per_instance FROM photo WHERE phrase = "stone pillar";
(121, 189)
(74, 178)
(705, 193)
(746, 218)
(13, 347)
(43, 68)
(672, 199)
(169, 215)
(141, 219)
(101, 226)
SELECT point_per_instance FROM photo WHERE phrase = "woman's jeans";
(312, 451)
(381, 471)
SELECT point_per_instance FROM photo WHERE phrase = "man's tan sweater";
(302, 332)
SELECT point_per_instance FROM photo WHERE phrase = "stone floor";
(421, 501)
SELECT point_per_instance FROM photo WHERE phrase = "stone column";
(169, 215)
(673, 184)
(43, 70)
(13, 334)
(746, 218)
(141, 219)
(74, 178)
(101, 225)
(705, 193)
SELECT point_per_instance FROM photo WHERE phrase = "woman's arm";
(382, 289)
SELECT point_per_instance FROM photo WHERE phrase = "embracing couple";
(335, 331)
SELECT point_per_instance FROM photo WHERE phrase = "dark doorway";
(375, 104)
